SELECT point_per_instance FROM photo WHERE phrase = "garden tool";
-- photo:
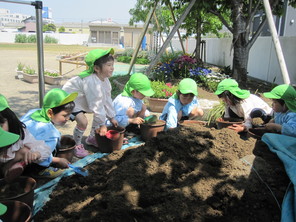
(79, 170)
(112, 134)
(150, 119)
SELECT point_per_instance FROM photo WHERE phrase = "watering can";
(150, 119)
(79, 170)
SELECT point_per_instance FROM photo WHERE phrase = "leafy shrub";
(142, 61)
(20, 66)
(49, 39)
(20, 38)
(124, 59)
(31, 39)
(128, 52)
(52, 73)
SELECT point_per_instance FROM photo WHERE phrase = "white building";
(7, 17)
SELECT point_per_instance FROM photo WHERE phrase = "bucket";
(150, 130)
(21, 189)
(17, 211)
(66, 148)
(224, 123)
(106, 145)
(192, 123)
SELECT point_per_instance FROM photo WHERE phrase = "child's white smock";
(288, 122)
(172, 108)
(245, 108)
(43, 131)
(30, 142)
(122, 104)
(94, 96)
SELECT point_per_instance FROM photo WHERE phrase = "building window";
(115, 38)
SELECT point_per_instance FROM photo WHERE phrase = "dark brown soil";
(187, 174)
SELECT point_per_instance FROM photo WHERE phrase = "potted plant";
(52, 77)
(30, 75)
(163, 91)
(19, 70)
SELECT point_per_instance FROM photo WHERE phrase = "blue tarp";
(41, 194)
(285, 148)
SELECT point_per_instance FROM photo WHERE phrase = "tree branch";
(218, 14)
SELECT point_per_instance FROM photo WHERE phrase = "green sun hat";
(284, 92)
(54, 98)
(232, 86)
(7, 138)
(188, 85)
(3, 209)
(139, 82)
(90, 59)
(3, 103)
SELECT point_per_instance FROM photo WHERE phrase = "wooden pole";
(276, 42)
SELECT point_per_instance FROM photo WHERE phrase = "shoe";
(50, 172)
(80, 151)
(91, 140)
(14, 171)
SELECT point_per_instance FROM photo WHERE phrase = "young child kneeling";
(284, 105)
(182, 105)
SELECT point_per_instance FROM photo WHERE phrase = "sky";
(79, 10)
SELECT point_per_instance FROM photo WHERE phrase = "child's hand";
(273, 127)
(114, 122)
(62, 163)
(137, 120)
(237, 127)
(30, 157)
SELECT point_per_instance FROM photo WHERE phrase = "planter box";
(156, 105)
(19, 75)
(53, 80)
(30, 78)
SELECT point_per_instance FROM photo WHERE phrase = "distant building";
(6, 17)
(74, 27)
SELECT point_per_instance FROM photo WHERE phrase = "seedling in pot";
(150, 119)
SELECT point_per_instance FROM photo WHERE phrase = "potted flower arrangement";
(163, 91)
(19, 70)
(30, 75)
(52, 77)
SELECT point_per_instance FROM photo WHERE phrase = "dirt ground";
(188, 174)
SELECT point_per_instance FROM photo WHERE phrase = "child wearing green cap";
(182, 105)
(56, 109)
(242, 104)
(284, 106)
(94, 96)
(26, 150)
(129, 107)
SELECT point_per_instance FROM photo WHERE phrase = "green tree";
(49, 27)
(62, 29)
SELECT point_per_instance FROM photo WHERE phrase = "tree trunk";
(198, 40)
(240, 63)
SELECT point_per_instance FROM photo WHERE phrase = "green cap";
(90, 59)
(188, 85)
(3, 103)
(232, 86)
(7, 138)
(3, 209)
(139, 82)
(284, 92)
(54, 98)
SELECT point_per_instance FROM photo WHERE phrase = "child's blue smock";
(172, 108)
(42, 131)
(288, 122)
(122, 104)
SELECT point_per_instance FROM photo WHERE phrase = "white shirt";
(245, 108)
(30, 142)
(94, 96)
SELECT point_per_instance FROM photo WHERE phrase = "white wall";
(263, 63)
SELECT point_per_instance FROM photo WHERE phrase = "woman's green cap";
(3, 209)
(232, 86)
(90, 59)
(7, 138)
(3, 103)
(188, 85)
(139, 82)
(54, 98)
(284, 92)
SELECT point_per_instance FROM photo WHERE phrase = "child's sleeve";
(289, 124)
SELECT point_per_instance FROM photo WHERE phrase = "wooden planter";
(56, 80)
(19, 74)
(30, 78)
(156, 105)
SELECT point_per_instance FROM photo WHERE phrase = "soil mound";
(186, 174)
